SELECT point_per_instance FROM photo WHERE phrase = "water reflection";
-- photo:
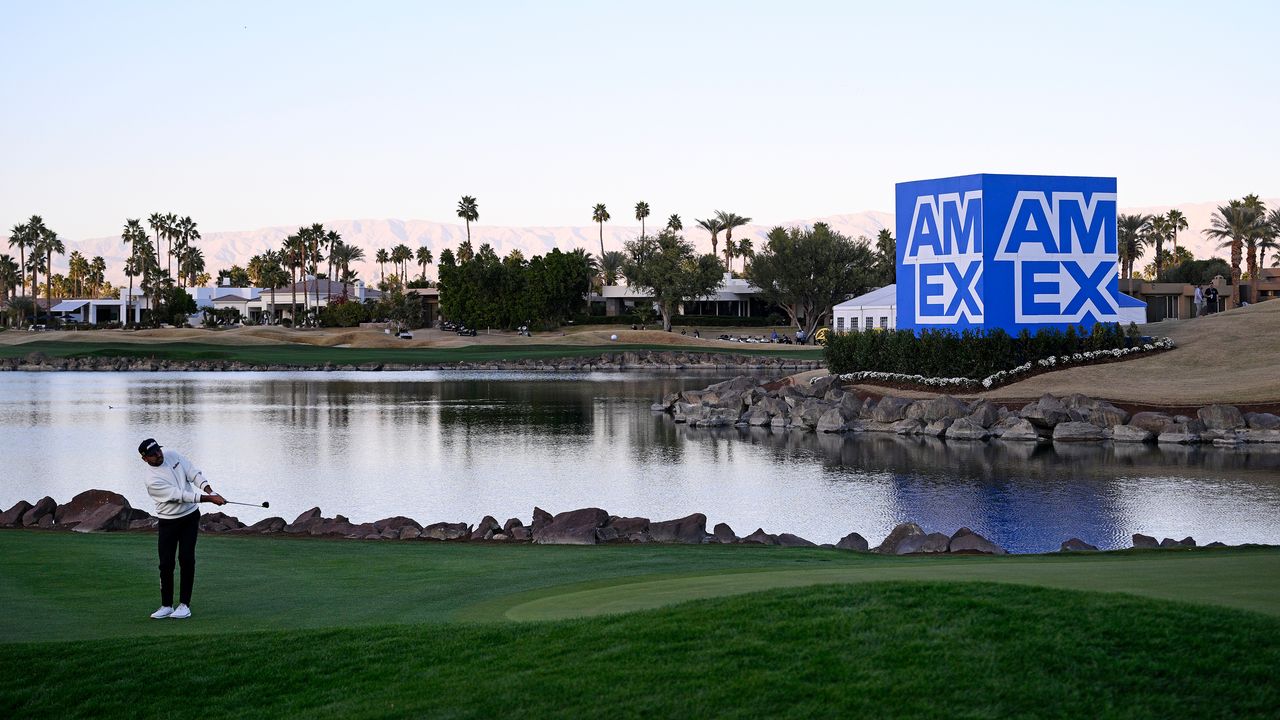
(458, 446)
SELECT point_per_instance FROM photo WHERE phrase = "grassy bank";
(297, 354)
(312, 628)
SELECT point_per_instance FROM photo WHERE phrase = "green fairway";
(309, 628)
(317, 355)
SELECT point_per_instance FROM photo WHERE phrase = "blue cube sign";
(1007, 251)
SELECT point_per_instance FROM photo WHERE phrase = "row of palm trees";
(36, 245)
(1136, 232)
(1250, 231)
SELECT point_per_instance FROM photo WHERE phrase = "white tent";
(877, 309)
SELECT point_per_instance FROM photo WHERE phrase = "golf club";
(264, 504)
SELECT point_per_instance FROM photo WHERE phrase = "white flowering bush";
(1006, 376)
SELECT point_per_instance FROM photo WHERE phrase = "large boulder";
(1106, 415)
(1178, 434)
(510, 524)
(1021, 430)
(1152, 422)
(487, 528)
(1077, 545)
(897, 536)
(1076, 432)
(938, 428)
(445, 531)
(1221, 417)
(626, 529)
(340, 526)
(984, 414)
(43, 508)
(105, 518)
(1046, 413)
(724, 534)
(691, 529)
(574, 527)
(924, 544)
(967, 429)
(939, 408)
(832, 421)
(521, 534)
(268, 526)
(1144, 541)
(397, 523)
(87, 503)
(789, 540)
(1262, 421)
(1184, 542)
(13, 516)
(850, 406)
(759, 537)
(908, 427)
(853, 541)
(541, 518)
(1131, 434)
(302, 524)
(968, 541)
(810, 413)
(890, 409)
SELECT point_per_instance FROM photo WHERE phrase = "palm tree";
(190, 265)
(294, 252)
(34, 236)
(401, 255)
(1131, 242)
(1157, 231)
(1271, 238)
(19, 237)
(642, 212)
(469, 211)
(159, 224)
(730, 221)
(52, 244)
(674, 223)
(9, 277)
(1177, 223)
(1232, 224)
(345, 255)
(600, 215)
(1253, 253)
(132, 236)
(382, 258)
(97, 275)
(424, 259)
(611, 266)
(713, 226)
(332, 240)
(745, 251)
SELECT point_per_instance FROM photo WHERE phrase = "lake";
(457, 446)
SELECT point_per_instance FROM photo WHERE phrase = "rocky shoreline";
(95, 511)
(827, 406)
(626, 360)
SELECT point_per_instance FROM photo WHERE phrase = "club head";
(266, 504)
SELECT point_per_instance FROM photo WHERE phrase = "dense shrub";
(971, 354)
(345, 314)
(686, 320)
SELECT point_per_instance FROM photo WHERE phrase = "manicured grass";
(870, 650)
(317, 355)
(309, 628)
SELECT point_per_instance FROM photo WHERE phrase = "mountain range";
(223, 249)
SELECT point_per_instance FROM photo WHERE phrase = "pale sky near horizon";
(251, 114)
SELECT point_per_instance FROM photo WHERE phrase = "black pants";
(178, 536)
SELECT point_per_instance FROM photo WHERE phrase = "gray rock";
(265, 527)
(1104, 414)
(575, 527)
(1046, 413)
(446, 531)
(151, 523)
(13, 516)
(1178, 434)
(500, 537)
(908, 427)
(984, 415)
(1144, 541)
(811, 412)
(1076, 432)
(1221, 417)
(938, 428)
(831, 421)
(853, 541)
(1216, 544)
(967, 541)
(890, 409)
(1262, 421)
(1077, 545)
(924, 544)
(510, 524)
(87, 503)
(758, 418)
(724, 534)
(690, 529)
(900, 532)
(939, 408)
(409, 532)
(396, 523)
(105, 518)
(967, 429)
(1259, 436)
(789, 540)
(850, 406)
(486, 529)
(521, 534)
(303, 523)
(1153, 422)
(759, 537)
(1021, 430)
(1131, 434)
(627, 529)
(541, 518)
(1171, 543)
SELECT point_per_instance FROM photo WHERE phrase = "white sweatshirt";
(176, 486)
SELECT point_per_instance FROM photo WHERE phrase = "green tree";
(35, 233)
(1232, 225)
(50, 244)
(136, 238)
(1271, 237)
(886, 259)
(469, 211)
(77, 272)
(401, 255)
(807, 271)
(424, 259)
(611, 266)
(1253, 253)
(745, 250)
(19, 237)
(382, 257)
(1177, 223)
(293, 253)
(1131, 241)
(670, 270)
(600, 214)
(97, 275)
(729, 221)
(713, 226)
(1156, 231)
(9, 278)
(642, 212)
(674, 223)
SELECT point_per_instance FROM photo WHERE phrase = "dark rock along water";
(453, 446)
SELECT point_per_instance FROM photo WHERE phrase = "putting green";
(1231, 581)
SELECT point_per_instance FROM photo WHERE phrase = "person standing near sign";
(1211, 297)
(1199, 301)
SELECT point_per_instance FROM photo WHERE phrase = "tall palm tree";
(19, 237)
(35, 234)
(713, 226)
(1232, 224)
(1131, 241)
(133, 236)
(674, 224)
(469, 211)
(382, 257)
(611, 266)
(424, 259)
(171, 225)
(9, 277)
(730, 221)
(745, 251)
(332, 240)
(1157, 231)
(600, 214)
(401, 255)
(159, 226)
(1271, 237)
(190, 265)
(1253, 253)
(97, 275)
(1177, 223)
(642, 212)
(51, 244)
(344, 255)
(294, 253)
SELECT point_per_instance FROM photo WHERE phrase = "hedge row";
(971, 354)
(685, 320)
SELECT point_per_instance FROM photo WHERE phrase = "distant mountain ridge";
(226, 248)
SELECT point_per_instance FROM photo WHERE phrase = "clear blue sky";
(262, 113)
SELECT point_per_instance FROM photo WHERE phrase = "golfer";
(178, 489)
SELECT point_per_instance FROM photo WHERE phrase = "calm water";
(453, 446)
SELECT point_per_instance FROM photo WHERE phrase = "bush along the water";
(970, 354)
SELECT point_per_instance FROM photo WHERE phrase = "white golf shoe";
(182, 612)
(163, 612)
